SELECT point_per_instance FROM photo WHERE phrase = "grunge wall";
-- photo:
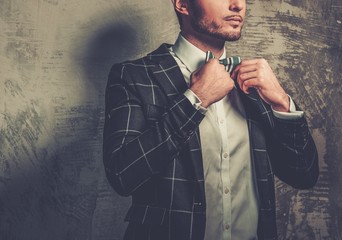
(54, 59)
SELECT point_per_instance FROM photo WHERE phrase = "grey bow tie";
(230, 63)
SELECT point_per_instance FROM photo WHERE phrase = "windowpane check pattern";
(152, 151)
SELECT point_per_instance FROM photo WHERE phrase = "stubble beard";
(213, 29)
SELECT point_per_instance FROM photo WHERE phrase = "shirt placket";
(225, 165)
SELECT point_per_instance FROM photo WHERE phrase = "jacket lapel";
(258, 116)
(171, 80)
(254, 107)
(167, 72)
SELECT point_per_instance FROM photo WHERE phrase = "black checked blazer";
(152, 151)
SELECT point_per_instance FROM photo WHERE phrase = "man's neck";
(205, 43)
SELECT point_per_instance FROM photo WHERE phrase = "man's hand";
(258, 74)
(211, 82)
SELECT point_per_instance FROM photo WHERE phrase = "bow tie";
(230, 63)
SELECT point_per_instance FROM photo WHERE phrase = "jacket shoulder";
(150, 60)
(139, 68)
(132, 66)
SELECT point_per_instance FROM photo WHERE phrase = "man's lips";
(235, 18)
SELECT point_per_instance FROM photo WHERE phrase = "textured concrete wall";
(54, 59)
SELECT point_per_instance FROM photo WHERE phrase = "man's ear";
(181, 6)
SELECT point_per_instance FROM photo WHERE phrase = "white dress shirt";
(230, 186)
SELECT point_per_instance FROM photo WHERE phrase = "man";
(197, 147)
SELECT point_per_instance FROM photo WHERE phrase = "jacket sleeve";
(293, 153)
(140, 139)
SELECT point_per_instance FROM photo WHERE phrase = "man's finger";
(246, 85)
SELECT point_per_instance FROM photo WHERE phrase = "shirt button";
(226, 190)
(227, 226)
(221, 121)
(225, 155)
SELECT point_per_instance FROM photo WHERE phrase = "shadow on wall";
(110, 44)
(60, 191)
(113, 43)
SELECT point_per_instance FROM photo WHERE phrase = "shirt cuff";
(196, 102)
(293, 114)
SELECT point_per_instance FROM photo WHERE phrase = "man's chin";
(226, 37)
(231, 34)
(233, 37)
(229, 37)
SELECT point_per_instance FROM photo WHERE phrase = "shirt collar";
(189, 54)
